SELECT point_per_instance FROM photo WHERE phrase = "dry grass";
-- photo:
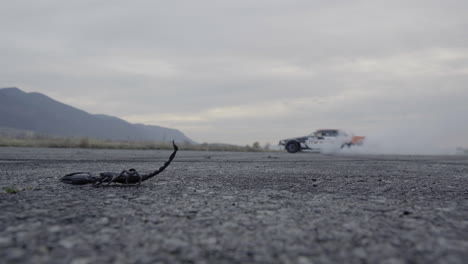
(41, 141)
(10, 190)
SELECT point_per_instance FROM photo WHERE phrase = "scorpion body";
(130, 176)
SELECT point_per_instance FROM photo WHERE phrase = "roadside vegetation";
(10, 190)
(46, 141)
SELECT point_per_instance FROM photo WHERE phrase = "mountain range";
(39, 113)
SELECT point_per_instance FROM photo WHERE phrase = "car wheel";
(292, 147)
(346, 145)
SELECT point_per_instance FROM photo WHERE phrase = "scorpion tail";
(166, 164)
(79, 178)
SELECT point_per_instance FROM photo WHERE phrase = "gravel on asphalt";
(226, 207)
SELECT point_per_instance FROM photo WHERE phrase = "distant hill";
(39, 113)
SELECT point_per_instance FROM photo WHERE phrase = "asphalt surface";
(221, 207)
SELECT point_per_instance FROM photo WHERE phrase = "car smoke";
(403, 144)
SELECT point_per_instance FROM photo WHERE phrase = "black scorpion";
(130, 176)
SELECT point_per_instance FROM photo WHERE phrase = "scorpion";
(130, 176)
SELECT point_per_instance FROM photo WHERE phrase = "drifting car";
(322, 140)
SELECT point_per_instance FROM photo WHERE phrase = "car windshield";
(326, 133)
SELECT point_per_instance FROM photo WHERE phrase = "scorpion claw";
(79, 178)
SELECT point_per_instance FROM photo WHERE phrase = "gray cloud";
(242, 71)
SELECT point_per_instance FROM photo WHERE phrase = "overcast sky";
(251, 70)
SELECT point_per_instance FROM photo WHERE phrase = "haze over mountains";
(39, 113)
